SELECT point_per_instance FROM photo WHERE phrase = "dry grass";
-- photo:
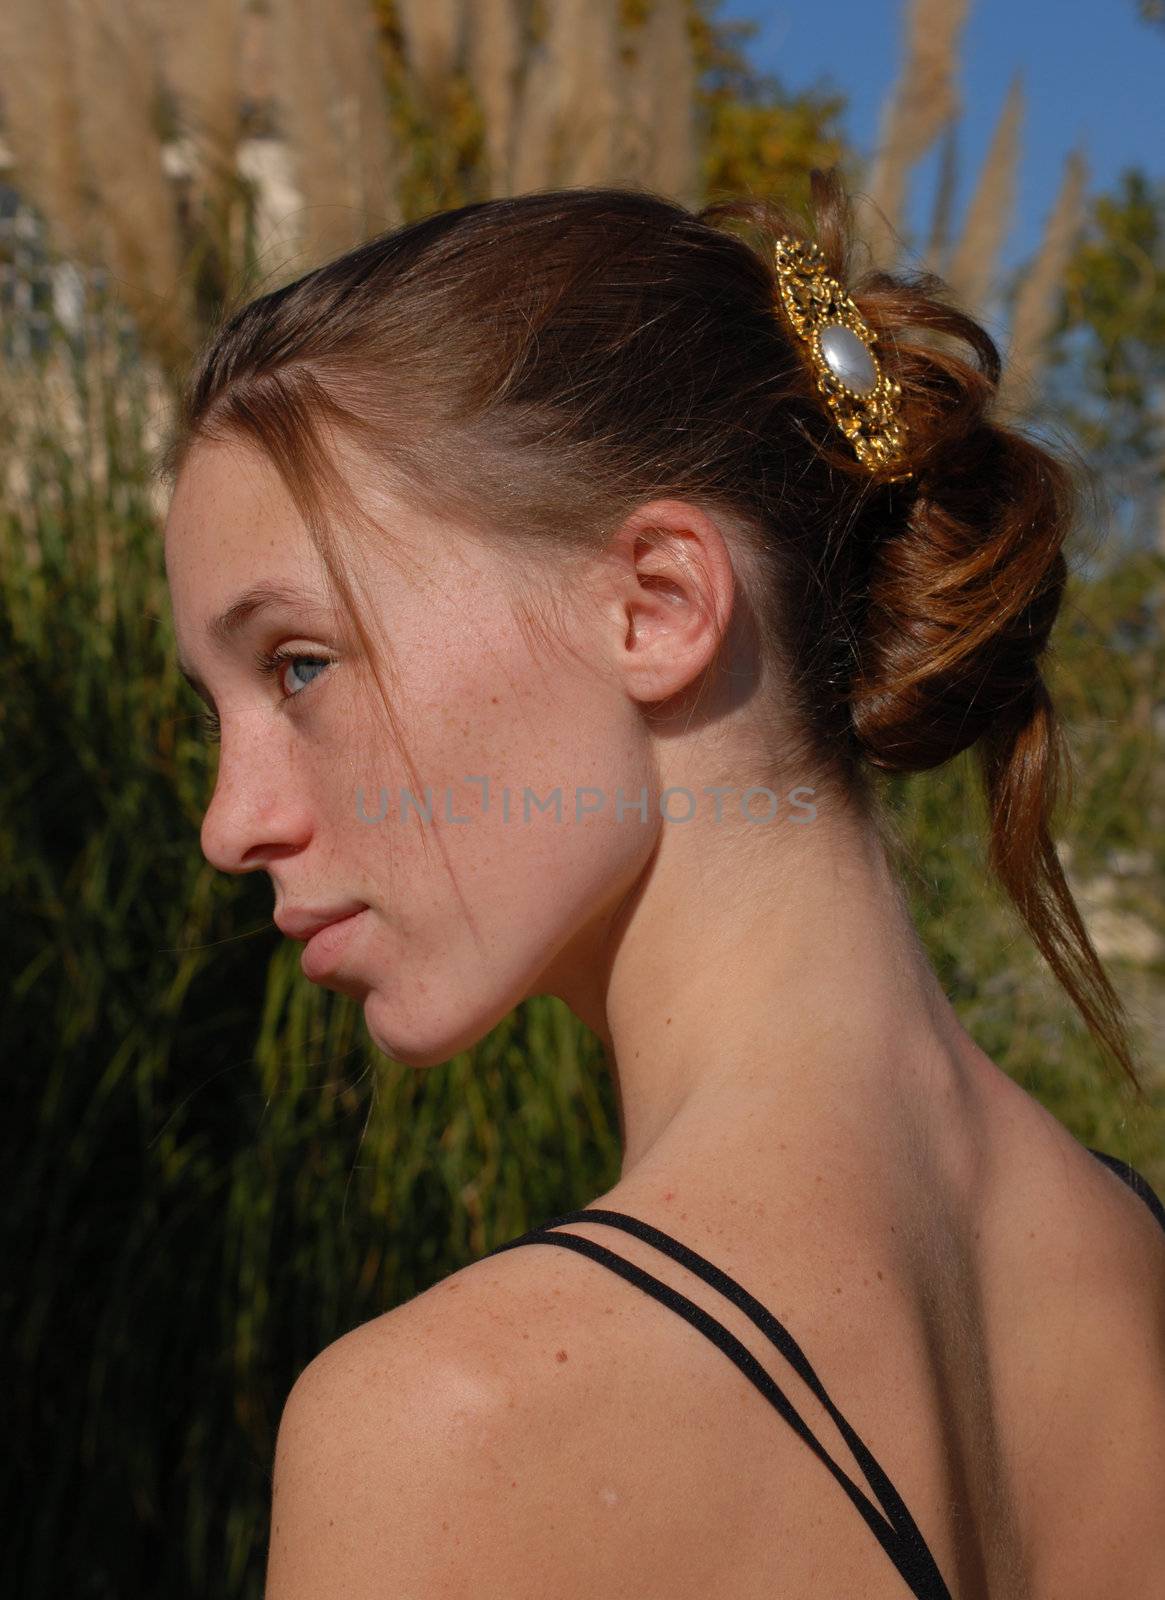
(117, 51)
(333, 114)
(921, 104)
(1040, 293)
(660, 98)
(570, 104)
(943, 209)
(202, 49)
(432, 32)
(495, 59)
(41, 126)
(974, 263)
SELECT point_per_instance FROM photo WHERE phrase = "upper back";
(1000, 1351)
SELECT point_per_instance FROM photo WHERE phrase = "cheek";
(520, 768)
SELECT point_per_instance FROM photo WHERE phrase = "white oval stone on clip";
(848, 358)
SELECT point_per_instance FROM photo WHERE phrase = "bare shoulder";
(1084, 1365)
(1129, 1218)
(1121, 1241)
(1122, 1260)
(437, 1449)
(1125, 1258)
(1075, 1209)
(1078, 1234)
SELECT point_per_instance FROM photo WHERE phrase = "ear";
(672, 588)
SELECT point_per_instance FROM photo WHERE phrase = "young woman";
(583, 495)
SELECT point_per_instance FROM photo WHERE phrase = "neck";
(764, 983)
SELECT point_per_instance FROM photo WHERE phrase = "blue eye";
(270, 661)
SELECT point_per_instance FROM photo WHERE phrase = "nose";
(257, 813)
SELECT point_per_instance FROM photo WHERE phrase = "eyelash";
(267, 662)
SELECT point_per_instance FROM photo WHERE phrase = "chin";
(424, 1042)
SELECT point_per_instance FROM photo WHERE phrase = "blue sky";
(1093, 76)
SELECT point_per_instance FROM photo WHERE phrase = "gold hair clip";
(839, 340)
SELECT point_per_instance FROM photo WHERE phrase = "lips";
(304, 922)
(327, 930)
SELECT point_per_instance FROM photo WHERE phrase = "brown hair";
(538, 366)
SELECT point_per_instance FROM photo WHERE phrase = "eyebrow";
(242, 610)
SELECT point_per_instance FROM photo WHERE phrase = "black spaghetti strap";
(1136, 1181)
(893, 1526)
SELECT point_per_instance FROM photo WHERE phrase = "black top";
(890, 1521)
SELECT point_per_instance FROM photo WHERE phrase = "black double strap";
(892, 1525)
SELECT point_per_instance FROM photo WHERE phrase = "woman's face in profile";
(497, 894)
